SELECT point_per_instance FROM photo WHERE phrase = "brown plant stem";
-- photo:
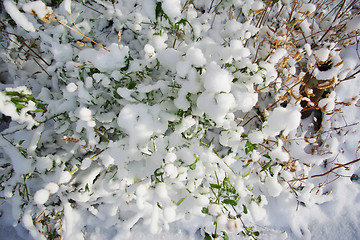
(327, 172)
(56, 19)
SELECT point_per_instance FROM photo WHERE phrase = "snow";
(17, 16)
(71, 223)
(171, 170)
(273, 187)
(216, 105)
(233, 225)
(170, 157)
(62, 52)
(277, 55)
(353, 25)
(8, 109)
(237, 49)
(20, 164)
(186, 119)
(99, 58)
(85, 114)
(231, 138)
(256, 137)
(195, 57)
(67, 6)
(322, 54)
(182, 68)
(52, 187)
(308, 8)
(170, 214)
(37, 7)
(308, 49)
(149, 9)
(140, 122)
(64, 177)
(41, 196)
(187, 123)
(172, 8)
(71, 87)
(35, 140)
(256, 211)
(169, 58)
(217, 79)
(149, 52)
(85, 163)
(215, 209)
(245, 97)
(282, 119)
(328, 103)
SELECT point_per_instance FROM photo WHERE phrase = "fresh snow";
(282, 119)
(217, 79)
(41, 196)
(37, 7)
(18, 16)
(175, 119)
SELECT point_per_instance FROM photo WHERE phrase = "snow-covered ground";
(178, 119)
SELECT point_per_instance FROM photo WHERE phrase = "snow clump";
(215, 117)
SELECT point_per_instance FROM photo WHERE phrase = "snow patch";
(18, 16)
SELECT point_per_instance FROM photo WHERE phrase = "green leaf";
(131, 85)
(267, 155)
(13, 93)
(247, 173)
(180, 201)
(246, 165)
(127, 63)
(40, 105)
(193, 166)
(225, 236)
(249, 147)
(207, 237)
(182, 21)
(116, 95)
(93, 71)
(245, 211)
(215, 186)
(250, 187)
(230, 202)
(19, 106)
(226, 183)
(205, 210)
(159, 172)
(256, 233)
(266, 166)
(227, 65)
(158, 10)
(87, 188)
(30, 97)
(18, 100)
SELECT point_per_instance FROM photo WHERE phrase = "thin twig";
(37, 219)
(41, 67)
(92, 8)
(327, 172)
(24, 43)
(80, 33)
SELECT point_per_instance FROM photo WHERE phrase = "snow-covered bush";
(147, 114)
